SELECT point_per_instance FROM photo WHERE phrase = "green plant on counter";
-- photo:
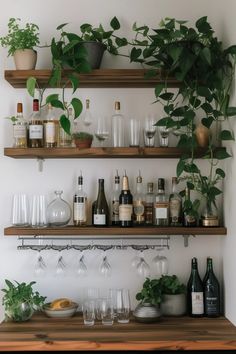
(151, 292)
(171, 285)
(20, 38)
(82, 136)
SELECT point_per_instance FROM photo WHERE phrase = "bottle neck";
(209, 265)
(174, 187)
(117, 187)
(100, 187)
(125, 184)
(139, 187)
(80, 187)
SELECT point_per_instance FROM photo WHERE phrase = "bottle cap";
(80, 180)
(19, 107)
(87, 103)
(150, 187)
(35, 104)
(161, 183)
(174, 180)
(117, 178)
(125, 183)
(117, 105)
(101, 180)
(139, 178)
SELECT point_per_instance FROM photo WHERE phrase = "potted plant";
(82, 140)
(20, 300)
(20, 43)
(151, 296)
(174, 296)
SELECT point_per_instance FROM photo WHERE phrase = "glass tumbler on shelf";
(20, 210)
(58, 211)
(123, 305)
(134, 132)
(38, 212)
(164, 136)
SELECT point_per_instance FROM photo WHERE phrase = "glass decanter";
(58, 211)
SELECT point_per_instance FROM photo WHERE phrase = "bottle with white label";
(139, 203)
(80, 205)
(115, 201)
(50, 128)
(20, 128)
(195, 299)
(161, 205)
(175, 205)
(35, 127)
(100, 210)
(125, 204)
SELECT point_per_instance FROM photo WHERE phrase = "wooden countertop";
(42, 333)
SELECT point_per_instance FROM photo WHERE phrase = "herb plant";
(171, 285)
(151, 292)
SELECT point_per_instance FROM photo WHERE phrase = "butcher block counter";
(184, 334)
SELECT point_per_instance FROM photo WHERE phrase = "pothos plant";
(195, 59)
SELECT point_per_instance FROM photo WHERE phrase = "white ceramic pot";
(174, 305)
(25, 59)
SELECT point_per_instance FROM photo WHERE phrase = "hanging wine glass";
(143, 268)
(40, 266)
(61, 267)
(105, 268)
(58, 211)
(82, 268)
(161, 263)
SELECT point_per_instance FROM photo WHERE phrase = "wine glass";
(143, 268)
(102, 131)
(164, 136)
(82, 268)
(161, 263)
(105, 267)
(61, 267)
(40, 266)
(149, 131)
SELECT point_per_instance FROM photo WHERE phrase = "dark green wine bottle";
(195, 300)
(211, 292)
(100, 209)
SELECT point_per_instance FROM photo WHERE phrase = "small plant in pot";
(20, 301)
(148, 310)
(20, 43)
(174, 296)
(82, 140)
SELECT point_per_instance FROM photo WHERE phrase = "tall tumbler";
(38, 212)
(123, 306)
(20, 210)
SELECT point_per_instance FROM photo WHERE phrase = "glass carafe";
(58, 211)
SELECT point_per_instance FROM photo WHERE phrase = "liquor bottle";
(149, 205)
(161, 205)
(189, 219)
(115, 201)
(100, 210)
(50, 128)
(175, 201)
(20, 128)
(211, 292)
(117, 124)
(139, 203)
(125, 204)
(87, 116)
(66, 139)
(80, 205)
(35, 127)
(195, 292)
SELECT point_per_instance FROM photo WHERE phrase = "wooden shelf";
(70, 334)
(113, 231)
(96, 152)
(97, 78)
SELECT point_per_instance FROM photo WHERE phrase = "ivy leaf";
(207, 122)
(52, 97)
(231, 111)
(77, 105)
(74, 82)
(30, 85)
(207, 107)
(61, 26)
(57, 104)
(158, 89)
(115, 24)
(70, 45)
(121, 42)
(180, 167)
(213, 192)
(135, 54)
(226, 135)
(167, 96)
(220, 172)
(65, 123)
(221, 154)
(204, 92)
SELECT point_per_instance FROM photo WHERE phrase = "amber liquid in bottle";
(35, 127)
(125, 204)
(20, 129)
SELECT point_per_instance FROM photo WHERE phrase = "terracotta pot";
(25, 59)
(83, 144)
(202, 135)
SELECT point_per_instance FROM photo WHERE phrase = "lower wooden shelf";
(113, 231)
(169, 334)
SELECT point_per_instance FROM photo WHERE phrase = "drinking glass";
(38, 212)
(149, 131)
(164, 136)
(89, 312)
(107, 312)
(82, 270)
(102, 131)
(143, 268)
(112, 294)
(134, 132)
(123, 305)
(20, 210)
(61, 267)
(161, 264)
(40, 267)
(105, 268)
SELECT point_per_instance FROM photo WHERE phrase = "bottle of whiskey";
(195, 292)
(149, 205)
(161, 205)
(139, 203)
(20, 128)
(125, 204)
(50, 128)
(100, 210)
(35, 127)
(117, 127)
(80, 205)
(115, 201)
(175, 205)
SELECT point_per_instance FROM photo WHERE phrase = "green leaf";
(179, 112)
(180, 167)
(135, 54)
(77, 105)
(61, 26)
(57, 104)
(213, 192)
(221, 154)
(206, 54)
(204, 91)
(226, 135)
(65, 123)
(202, 25)
(231, 111)
(192, 168)
(30, 85)
(115, 24)
(52, 97)
(207, 107)
(70, 45)
(150, 73)
(167, 96)
(158, 89)
(74, 82)
(220, 172)
(162, 122)
(121, 42)
(207, 122)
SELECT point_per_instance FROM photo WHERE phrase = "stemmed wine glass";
(82, 268)
(161, 263)
(40, 266)
(141, 266)
(61, 267)
(105, 267)
(149, 130)
(102, 132)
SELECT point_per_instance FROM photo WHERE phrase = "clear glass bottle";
(87, 116)
(50, 128)
(175, 205)
(115, 201)
(138, 202)
(80, 205)
(161, 205)
(100, 209)
(66, 139)
(20, 128)
(58, 211)
(149, 205)
(35, 127)
(117, 124)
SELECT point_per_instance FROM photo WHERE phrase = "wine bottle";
(115, 201)
(117, 124)
(161, 205)
(149, 205)
(211, 292)
(80, 205)
(35, 127)
(100, 210)
(50, 128)
(125, 204)
(189, 219)
(195, 292)
(139, 204)
(175, 205)
(20, 128)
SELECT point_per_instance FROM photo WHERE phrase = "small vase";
(25, 59)
(209, 217)
(173, 305)
(20, 312)
(83, 143)
(147, 313)
(58, 211)
(202, 134)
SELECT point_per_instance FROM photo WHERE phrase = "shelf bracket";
(186, 239)
(40, 161)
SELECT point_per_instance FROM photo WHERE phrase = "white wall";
(23, 176)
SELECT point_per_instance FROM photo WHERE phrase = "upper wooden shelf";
(97, 78)
(113, 231)
(96, 152)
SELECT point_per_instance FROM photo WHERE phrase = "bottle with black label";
(175, 205)
(211, 292)
(195, 300)
(161, 205)
(100, 209)
(149, 205)
(139, 203)
(115, 201)
(80, 205)
(125, 204)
